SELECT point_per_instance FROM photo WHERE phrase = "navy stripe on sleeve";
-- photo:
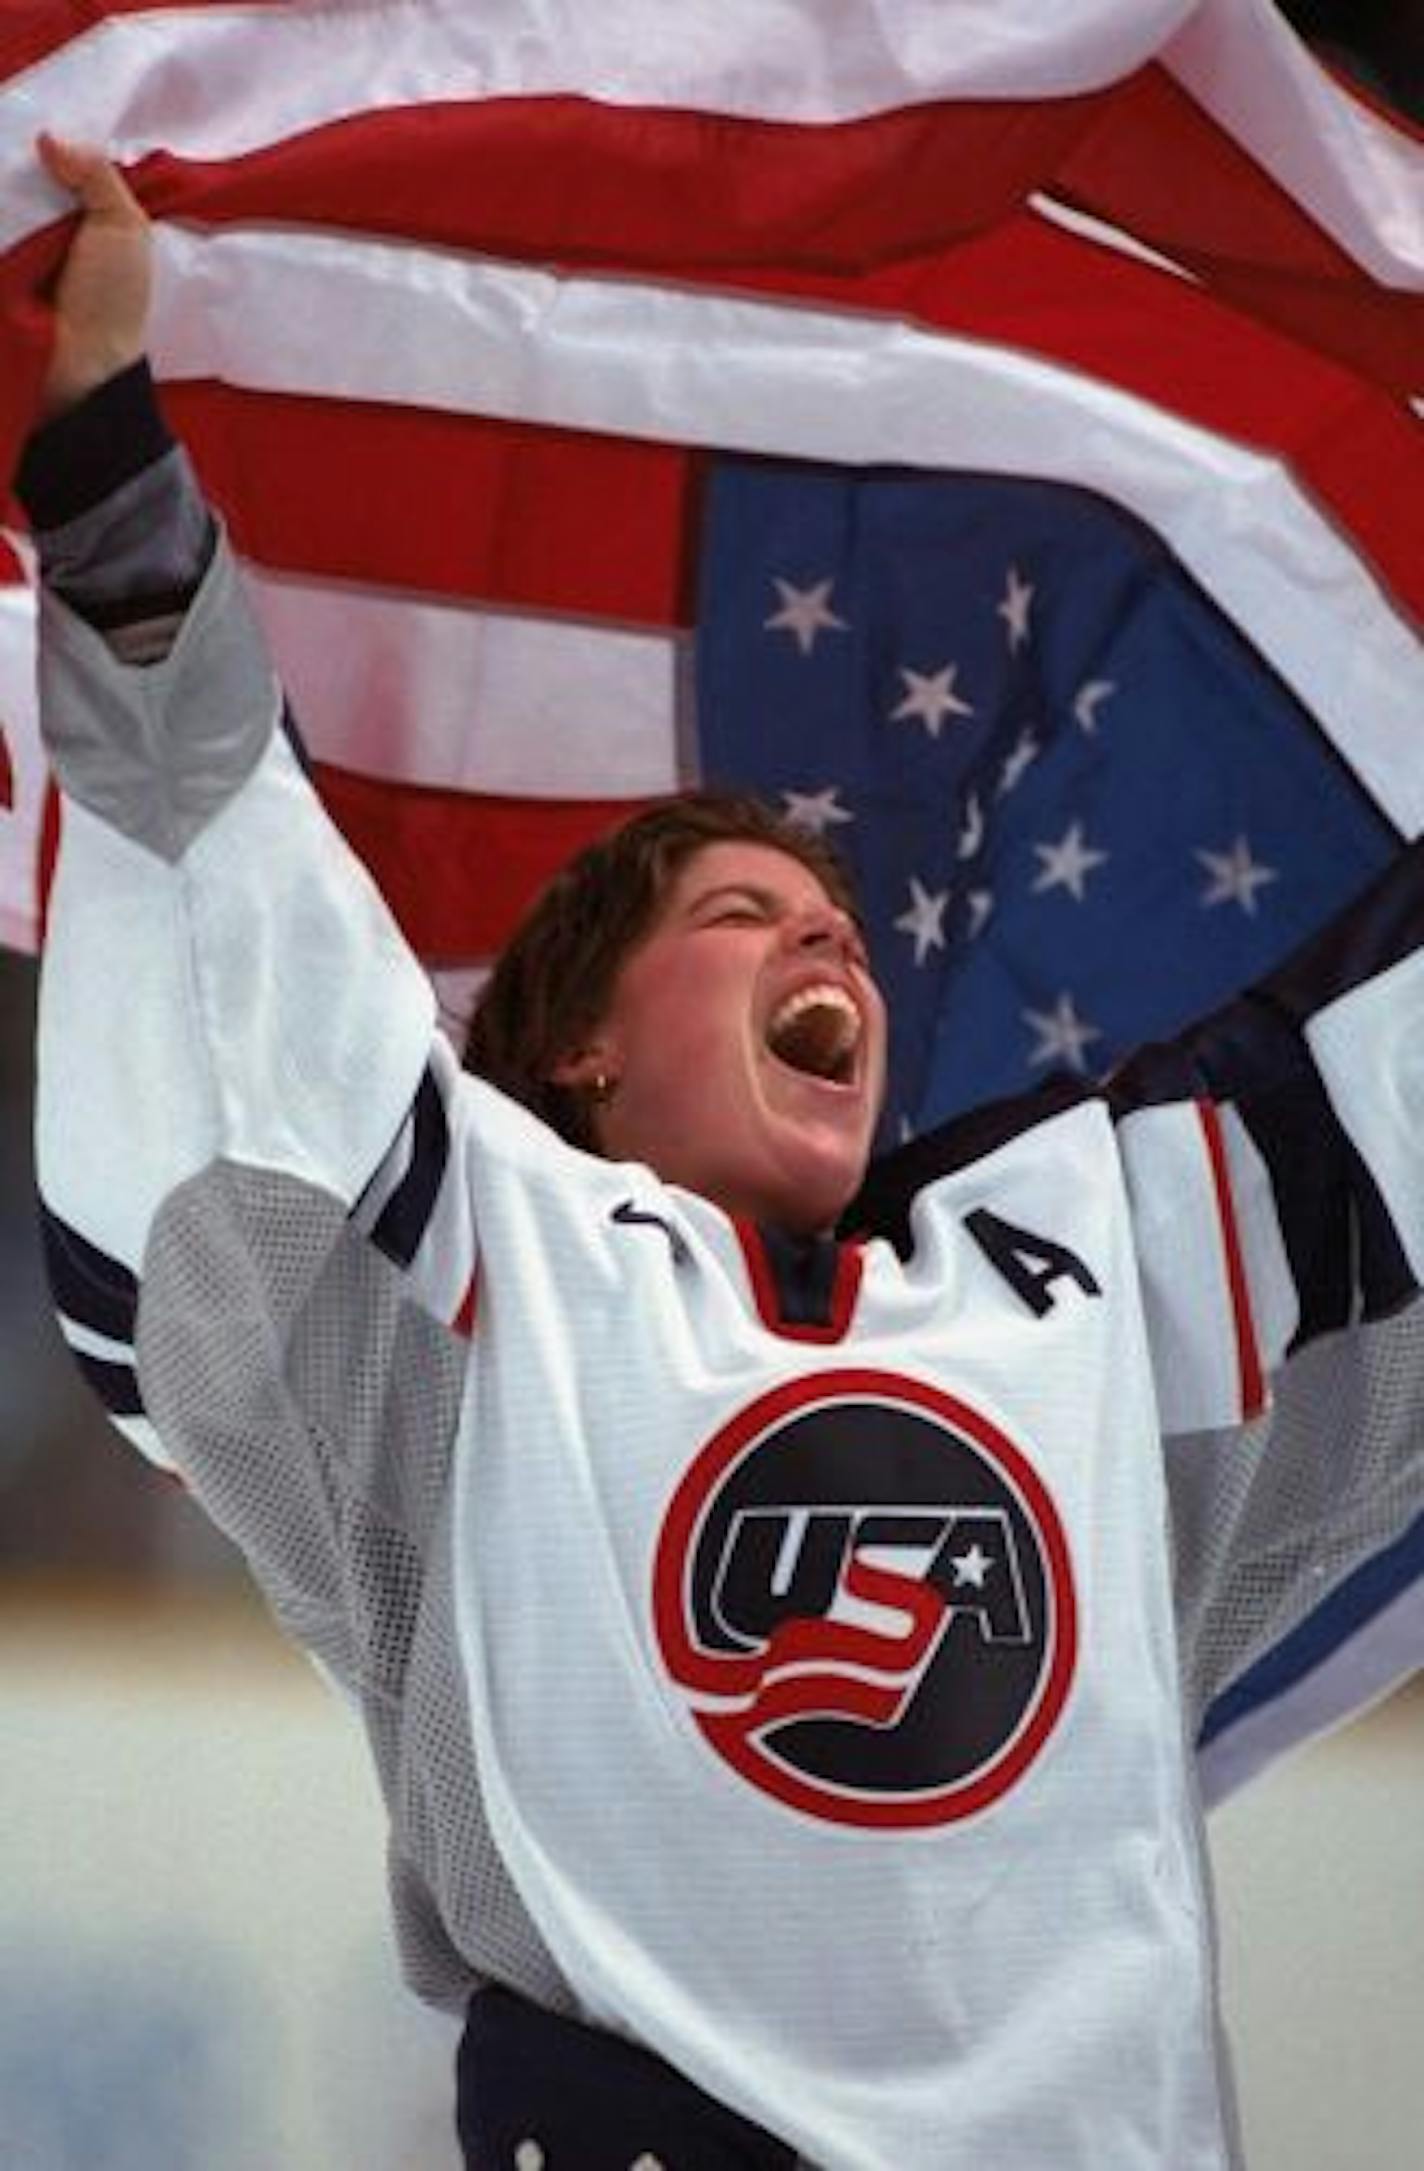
(1346, 1259)
(77, 459)
(1345, 1255)
(292, 731)
(88, 1286)
(406, 1214)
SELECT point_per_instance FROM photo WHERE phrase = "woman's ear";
(588, 1069)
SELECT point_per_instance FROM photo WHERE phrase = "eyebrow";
(768, 899)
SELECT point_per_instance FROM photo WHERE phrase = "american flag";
(1071, 789)
(995, 435)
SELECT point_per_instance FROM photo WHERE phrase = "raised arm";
(123, 532)
(223, 986)
(1313, 1086)
(1273, 1159)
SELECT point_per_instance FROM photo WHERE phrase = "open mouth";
(817, 1031)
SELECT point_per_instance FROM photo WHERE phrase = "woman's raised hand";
(101, 300)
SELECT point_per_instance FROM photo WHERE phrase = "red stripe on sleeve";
(464, 1320)
(1251, 1373)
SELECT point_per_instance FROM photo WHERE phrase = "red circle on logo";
(739, 1711)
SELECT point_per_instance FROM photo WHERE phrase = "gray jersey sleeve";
(155, 749)
(222, 979)
(234, 1043)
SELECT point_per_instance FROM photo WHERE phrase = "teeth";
(816, 1030)
(815, 998)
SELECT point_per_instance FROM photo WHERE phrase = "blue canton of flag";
(1081, 808)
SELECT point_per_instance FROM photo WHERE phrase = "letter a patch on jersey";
(863, 1590)
(1029, 1263)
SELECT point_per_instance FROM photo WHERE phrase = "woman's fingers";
(88, 174)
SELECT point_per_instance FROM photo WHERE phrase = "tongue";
(816, 1040)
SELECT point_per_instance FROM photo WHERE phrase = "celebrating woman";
(778, 1597)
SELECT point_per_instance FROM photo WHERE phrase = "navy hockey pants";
(537, 2092)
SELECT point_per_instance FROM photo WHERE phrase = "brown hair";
(554, 980)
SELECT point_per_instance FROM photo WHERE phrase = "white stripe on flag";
(1103, 236)
(333, 316)
(1356, 174)
(472, 700)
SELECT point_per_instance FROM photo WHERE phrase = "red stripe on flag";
(713, 199)
(458, 869)
(24, 271)
(1160, 167)
(594, 186)
(500, 512)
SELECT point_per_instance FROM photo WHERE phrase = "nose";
(826, 926)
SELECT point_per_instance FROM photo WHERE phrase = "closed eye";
(732, 908)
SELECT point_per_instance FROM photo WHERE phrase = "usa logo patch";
(863, 1590)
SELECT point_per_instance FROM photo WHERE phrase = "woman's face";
(745, 1042)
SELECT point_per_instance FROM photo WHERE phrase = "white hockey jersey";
(769, 1650)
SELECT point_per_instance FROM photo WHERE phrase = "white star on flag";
(1236, 877)
(981, 904)
(1062, 1035)
(804, 613)
(924, 919)
(971, 834)
(1024, 752)
(930, 698)
(1068, 864)
(1014, 610)
(816, 811)
(1088, 700)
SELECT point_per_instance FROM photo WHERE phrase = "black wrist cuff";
(80, 458)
